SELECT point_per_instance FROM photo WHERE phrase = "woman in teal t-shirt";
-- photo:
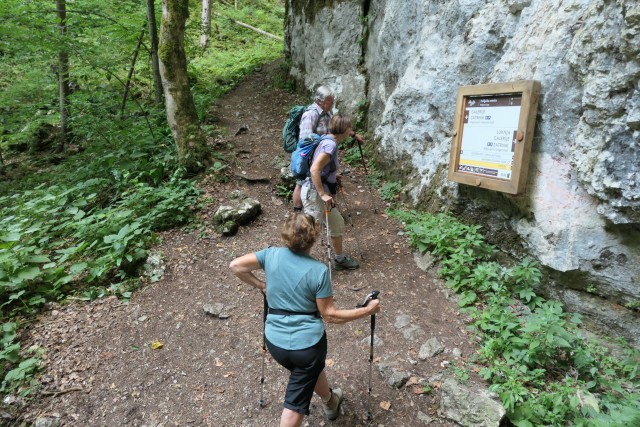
(299, 292)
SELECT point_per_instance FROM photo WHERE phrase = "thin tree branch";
(133, 65)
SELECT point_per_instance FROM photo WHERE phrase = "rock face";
(401, 61)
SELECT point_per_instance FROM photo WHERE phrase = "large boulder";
(241, 211)
(472, 407)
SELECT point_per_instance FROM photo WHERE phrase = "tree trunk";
(153, 41)
(206, 24)
(63, 72)
(193, 152)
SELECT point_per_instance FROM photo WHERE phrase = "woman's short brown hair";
(339, 124)
(299, 232)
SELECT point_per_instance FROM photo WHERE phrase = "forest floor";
(101, 364)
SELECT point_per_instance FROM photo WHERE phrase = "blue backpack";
(303, 155)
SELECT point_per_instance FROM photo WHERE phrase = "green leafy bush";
(532, 351)
(10, 355)
(94, 231)
(352, 156)
(390, 190)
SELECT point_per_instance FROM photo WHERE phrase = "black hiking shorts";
(305, 366)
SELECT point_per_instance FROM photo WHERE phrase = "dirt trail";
(101, 369)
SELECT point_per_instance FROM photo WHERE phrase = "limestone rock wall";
(404, 60)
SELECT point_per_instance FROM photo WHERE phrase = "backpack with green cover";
(291, 130)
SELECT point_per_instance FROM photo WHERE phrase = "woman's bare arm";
(316, 169)
(243, 268)
(331, 314)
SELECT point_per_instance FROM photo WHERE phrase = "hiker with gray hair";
(316, 120)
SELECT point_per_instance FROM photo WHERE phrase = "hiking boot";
(332, 412)
(346, 264)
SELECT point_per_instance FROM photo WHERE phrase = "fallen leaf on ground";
(413, 380)
(156, 345)
(219, 362)
(330, 362)
(418, 390)
(385, 404)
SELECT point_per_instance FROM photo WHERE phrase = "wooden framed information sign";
(493, 134)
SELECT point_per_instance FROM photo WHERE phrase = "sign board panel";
(493, 133)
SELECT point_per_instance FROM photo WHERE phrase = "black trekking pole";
(261, 402)
(326, 221)
(371, 296)
(366, 174)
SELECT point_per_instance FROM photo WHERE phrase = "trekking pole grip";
(370, 296)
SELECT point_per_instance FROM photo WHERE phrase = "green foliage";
(533, 354)
(460, 372)
(390, 190)
(93, 230)
(374, 178)
(100, 46)
(9, 354)
(22, 373)
(217, 172)
(633, 305)
(360, 118)
(284, 191)
(235, 51)
(444, 237)
(82, 223)
(282, 78)
(352, 156)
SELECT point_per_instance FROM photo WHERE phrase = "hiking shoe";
(332, 413)
(346, 264)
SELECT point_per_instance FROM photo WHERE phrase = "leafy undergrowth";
(81, 235)
(82, 224)
(534, 354)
